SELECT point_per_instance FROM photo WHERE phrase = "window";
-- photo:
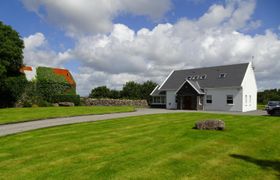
(195, 77)
(159, 99)
(162, 99)
(250, 100)
(209, 99)
(222, 75)
(203, 76)
(156, 99)
(229, 99)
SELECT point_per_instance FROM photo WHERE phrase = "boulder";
(66, 104)
(55, 104)
(210, 125)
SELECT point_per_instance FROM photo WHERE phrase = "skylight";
(196, 77)
(223, 75)
(203, 76)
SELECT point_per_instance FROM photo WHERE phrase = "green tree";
(268, 95)
(146, 89)
(100, 92)
(12, 81)
(131, 90)
(114, 94)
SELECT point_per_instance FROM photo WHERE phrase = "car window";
(273, 103)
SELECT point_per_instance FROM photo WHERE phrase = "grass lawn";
(13, 115)
(261, 106)
(146, 147)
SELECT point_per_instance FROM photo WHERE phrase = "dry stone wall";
(115, 102)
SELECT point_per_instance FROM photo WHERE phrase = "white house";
(219, 88)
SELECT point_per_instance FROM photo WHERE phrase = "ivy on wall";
(50, 84)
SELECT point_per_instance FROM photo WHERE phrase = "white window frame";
(209, 98)
(158, 100)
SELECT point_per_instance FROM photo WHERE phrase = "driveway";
(26, 126)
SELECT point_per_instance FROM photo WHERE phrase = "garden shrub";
(31, 97)
(66, 98)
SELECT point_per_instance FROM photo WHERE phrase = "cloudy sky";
(109, 42)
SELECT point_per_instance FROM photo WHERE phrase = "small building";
(55, 75)
(219, 88)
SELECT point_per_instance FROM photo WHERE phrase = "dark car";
(273, 107)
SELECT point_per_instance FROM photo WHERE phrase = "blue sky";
(77, 38)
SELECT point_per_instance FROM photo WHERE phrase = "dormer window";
(189, 78)
(203, 76)
(195, 77)
(223, 75)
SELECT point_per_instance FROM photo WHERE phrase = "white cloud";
(215, 38)
(38, 53)
(93, 16)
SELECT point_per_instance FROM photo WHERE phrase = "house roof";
(196, 86)
(62, 72)
(209, 77)
(157, 92)
(25, 68)
(66, 73)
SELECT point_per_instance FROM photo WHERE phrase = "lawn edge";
(24, 121)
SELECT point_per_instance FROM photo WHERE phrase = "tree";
(100, 92)
(268, 95)
(146, 89)
(131, 90)
(12, 81)
(115, 94)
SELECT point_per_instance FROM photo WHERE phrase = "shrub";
(66, 98)
(14, 87)
(31, 97)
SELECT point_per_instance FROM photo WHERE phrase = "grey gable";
(234, 77)
(157, 92)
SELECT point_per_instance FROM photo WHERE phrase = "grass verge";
(162, 146)
(15, 115)
(261, 106)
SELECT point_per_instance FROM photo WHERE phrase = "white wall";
(171, 100)
(219, 99)
(30, 75)
(249, 86)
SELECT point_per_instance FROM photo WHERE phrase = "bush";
(13, 89)
(66, 98)
(31, 97)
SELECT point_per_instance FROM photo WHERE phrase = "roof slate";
(234, 77)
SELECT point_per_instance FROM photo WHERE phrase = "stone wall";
(114, 102)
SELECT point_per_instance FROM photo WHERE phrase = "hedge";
(66, 98)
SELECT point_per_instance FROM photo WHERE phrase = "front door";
(187, 102)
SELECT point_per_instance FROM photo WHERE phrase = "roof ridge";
(212, 67)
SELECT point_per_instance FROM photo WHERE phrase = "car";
(273, 108)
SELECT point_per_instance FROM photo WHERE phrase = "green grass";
(147, 147)
(14, 115)
(261, 106)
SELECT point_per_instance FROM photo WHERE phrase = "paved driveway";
(26, 126)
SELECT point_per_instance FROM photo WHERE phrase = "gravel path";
(26, 126)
